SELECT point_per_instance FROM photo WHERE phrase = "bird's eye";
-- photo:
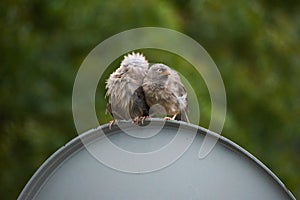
(159, 70)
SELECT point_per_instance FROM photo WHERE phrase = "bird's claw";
(143, 119)
(137, 120)
(174, 116)
(170, 118)
(112, 122)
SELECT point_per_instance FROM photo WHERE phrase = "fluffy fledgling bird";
(124, 89)
(163, 86)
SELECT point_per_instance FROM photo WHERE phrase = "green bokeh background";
(255, 44)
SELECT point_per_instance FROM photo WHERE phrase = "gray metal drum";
(228, 172)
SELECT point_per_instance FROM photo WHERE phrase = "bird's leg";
(143, 119)
(135, 120)
(111, 122)
(173, 118)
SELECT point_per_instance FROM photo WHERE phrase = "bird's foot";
(112, 122)
(135, 121)
(143, 119)
(170, 118)
(173, 118)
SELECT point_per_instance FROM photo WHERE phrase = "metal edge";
(235, 147)
(50, 165)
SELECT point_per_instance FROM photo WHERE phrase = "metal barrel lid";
(228, 172)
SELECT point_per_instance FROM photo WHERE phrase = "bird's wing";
(138, 106)
(121, 86)
(179, 91)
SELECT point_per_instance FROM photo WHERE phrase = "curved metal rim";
(41, 175)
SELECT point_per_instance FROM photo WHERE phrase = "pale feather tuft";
(122, 83)
(136, 59)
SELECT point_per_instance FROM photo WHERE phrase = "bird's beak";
(166, 73)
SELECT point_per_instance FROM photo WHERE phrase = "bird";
(162, 85)
(124, 89)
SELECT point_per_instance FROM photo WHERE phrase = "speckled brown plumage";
(163, 86)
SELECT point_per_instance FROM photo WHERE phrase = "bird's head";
(159, 72)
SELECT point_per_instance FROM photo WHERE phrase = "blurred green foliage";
(255, 44)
